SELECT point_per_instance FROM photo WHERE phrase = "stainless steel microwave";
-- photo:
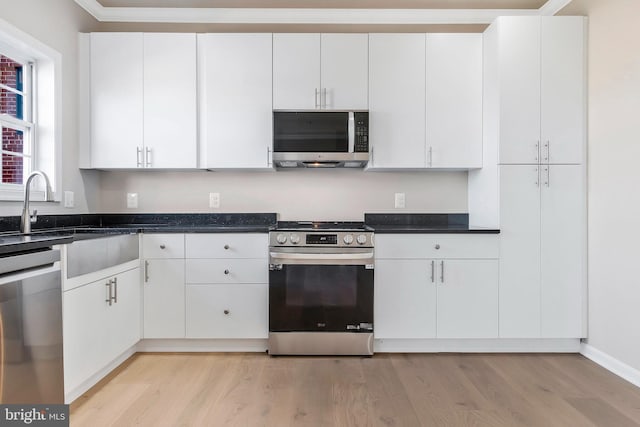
(320, 139)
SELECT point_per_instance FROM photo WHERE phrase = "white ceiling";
(305, 12)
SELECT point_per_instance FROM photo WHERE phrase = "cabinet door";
(236, 104)
(296, 71)
(169, 101)
(563, 251)
(124, 313)
(519, 251)
(467, 298)
(344, 71)
(563, 89)
(397, 100)
(454, 100)
(116, 99)
(86, 332)
(405, 299)
(163, 298)
(228, 311)
(519, 70)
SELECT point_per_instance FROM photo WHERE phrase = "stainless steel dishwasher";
(31, 365)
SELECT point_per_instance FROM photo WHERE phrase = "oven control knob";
(348, 239)
(295, 239)
(362, 239)
(281, 238)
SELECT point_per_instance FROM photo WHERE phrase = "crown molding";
(308, 16)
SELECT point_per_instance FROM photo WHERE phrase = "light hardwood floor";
(385, 390)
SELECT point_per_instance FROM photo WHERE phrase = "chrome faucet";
(27, 218)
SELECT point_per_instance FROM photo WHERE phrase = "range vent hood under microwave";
(320, 139)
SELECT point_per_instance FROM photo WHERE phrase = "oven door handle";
(365, 258)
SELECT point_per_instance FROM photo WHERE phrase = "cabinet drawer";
(227, 271)
(408, 246)
(227, 245)
(163, 245)
(227, 311)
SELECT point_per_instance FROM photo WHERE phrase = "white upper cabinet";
(454, 100)
(344, 71)
(143, 100)
(170, 101)
(397, 100)
(425, 101)
(235, 72)
(320, 71)
(563, 87)
(541, 64)
(116, 99)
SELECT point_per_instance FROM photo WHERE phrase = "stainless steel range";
(321, 289)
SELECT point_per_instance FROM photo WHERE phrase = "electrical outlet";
(132, 200)
(214, 200)
(69, 201)
(400, 200)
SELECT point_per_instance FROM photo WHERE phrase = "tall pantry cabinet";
(535, 134)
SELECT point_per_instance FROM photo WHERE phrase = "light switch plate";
(69, 201)
(400, 201)
(214, 200)
(132, 200)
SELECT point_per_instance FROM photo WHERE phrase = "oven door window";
(320, 297)
(296, 132)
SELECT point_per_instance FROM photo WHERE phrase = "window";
(30, 113)
(16, 118)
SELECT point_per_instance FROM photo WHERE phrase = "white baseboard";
(504, 345)
(203, 345)
(73, 394)
(611, 364)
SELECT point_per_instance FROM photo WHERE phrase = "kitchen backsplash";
(294, 195)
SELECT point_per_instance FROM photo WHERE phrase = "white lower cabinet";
(449, 297)
(227, 292)
(405, 300)
(101, 321)
(227, 311)
(164, 298)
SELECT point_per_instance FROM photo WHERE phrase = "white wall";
(614, 176)
(294, 194)
(56, 24)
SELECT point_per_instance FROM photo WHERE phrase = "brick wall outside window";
(12, 140)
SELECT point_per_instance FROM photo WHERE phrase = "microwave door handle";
(352, 132)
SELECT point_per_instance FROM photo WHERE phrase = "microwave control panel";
(362, 132)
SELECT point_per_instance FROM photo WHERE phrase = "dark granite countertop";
(53, 230)
(423, 223)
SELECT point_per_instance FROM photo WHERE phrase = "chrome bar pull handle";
(115, 290)
(317, 102)
(146, 271)
(147, 157)
(324, 97)
(139, 157)
(548, 180)
(546, 157)
(430, 156)
(110, 294)
(538, 151)
(441, 271)
(538, 177)
(433, 271)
